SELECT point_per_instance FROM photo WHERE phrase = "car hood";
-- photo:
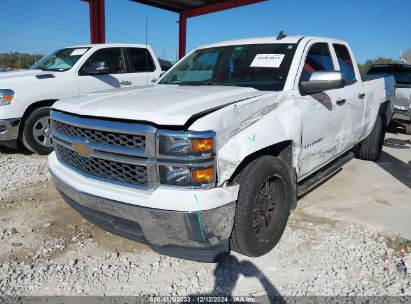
(16, 77)
(161, 104)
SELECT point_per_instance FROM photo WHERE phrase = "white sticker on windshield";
(78, 52)
(267, 60)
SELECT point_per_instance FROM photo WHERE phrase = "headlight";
(186, 158)
(6, 97)
(180, 175)
(186, 144)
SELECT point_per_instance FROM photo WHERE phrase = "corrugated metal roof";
(179, 5)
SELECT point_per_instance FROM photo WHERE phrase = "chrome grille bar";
(114, 127)
(102, 157)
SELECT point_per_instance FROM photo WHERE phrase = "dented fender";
(251, 125)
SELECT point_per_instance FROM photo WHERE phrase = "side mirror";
(96, 68)
(322, 81)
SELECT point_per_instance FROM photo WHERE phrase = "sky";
(373, 28)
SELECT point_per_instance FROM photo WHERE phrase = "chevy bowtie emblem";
(82, 149)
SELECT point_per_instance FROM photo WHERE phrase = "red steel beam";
(182, 34)
(97, 18)
(97, 21)
(211, 8)
(219, 6)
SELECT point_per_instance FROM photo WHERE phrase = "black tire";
(370, 148)
(36, 130)
(259, 223)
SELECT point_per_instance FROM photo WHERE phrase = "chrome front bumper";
(201, 235)
(9, 131)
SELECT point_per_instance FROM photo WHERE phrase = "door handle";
(361, 95)
(125, 82)
(341, 101)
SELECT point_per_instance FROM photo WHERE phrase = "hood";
(161, 104)
(12, 77)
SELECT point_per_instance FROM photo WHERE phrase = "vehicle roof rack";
(281, 35)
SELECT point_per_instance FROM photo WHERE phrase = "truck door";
(353, 94)
(117, 76)
(142, 67)
(322, 113)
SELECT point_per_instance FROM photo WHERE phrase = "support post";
(182, 35)
(97, 21)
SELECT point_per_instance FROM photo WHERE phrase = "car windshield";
(61, 60)
(261, 66)
(401, 73)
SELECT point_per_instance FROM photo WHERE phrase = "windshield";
(61, 60)
(401, 73)
(261, 66)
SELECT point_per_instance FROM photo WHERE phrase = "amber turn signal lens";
(203, 145)
(8, 98)
(202, 176)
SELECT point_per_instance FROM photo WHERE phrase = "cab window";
(112, 57)
(140, 60)
(345, 62)
(318, 59)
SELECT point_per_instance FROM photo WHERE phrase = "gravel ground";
(17, 170)
(48, 249)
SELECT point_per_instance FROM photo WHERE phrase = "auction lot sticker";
(78, 52)
(267, 61)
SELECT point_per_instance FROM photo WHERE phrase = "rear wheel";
(37, 132)
(263, 206)
(370, 148)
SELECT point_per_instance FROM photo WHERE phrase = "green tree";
(18, 60)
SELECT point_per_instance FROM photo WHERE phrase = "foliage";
(18, 60)
(380, 60)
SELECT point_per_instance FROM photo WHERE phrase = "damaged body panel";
(170, 159)
(249, 126)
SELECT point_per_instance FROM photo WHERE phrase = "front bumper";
(196, 235)
(9, 132)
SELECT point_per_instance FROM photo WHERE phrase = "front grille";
(102, 137)
(107, 169)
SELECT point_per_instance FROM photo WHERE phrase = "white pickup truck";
(215, 155)
(26, 96)
(402, 93)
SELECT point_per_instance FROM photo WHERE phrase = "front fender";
(281, 124)
(249, 126)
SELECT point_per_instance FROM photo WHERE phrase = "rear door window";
(345, 62)
(318, 59)
(140, 60)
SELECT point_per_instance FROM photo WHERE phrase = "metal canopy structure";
(185, 8)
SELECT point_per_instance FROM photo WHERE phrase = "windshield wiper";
(196, 83)
(193, 83)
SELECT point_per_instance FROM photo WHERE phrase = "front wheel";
(37, 133)
(263, 206)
